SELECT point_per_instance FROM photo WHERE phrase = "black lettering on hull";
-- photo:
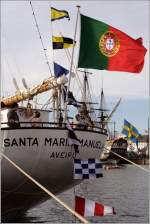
(62, 155)
(19, 142)
(50, 143)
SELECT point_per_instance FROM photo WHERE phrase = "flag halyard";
(72, 138)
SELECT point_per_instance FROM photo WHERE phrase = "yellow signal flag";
(58, 14)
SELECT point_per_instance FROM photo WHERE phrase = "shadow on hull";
(20, 202)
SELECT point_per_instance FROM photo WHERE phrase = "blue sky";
(136, 111)
(22, 54)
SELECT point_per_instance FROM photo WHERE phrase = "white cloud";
(22, 48)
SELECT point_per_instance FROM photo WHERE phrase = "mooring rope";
(129, 161)
(46, 190)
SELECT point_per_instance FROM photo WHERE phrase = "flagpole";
(69, 59)
(148, 140)
(71, 64)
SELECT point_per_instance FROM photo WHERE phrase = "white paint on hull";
(48, 159)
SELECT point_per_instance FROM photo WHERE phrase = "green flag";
(104, 47)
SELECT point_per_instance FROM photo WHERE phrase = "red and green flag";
(104, 47)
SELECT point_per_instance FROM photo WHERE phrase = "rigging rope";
(46, 190)
(49, 6)
(47, 62)
(78, 79)
(47, 103)
(129, 161)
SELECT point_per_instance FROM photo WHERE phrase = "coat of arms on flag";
(87, 169)
(87, 207)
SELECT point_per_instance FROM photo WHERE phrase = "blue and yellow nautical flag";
(58, 14)
(130, 131)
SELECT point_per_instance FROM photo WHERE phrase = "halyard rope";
(44, 50)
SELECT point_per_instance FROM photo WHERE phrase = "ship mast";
(148, 140)
(71, 63)
(102, 110)
(84, 88)
(85, 85)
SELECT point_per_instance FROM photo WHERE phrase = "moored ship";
(43, 151)
(41, 148)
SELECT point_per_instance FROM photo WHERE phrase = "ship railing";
(51, 125)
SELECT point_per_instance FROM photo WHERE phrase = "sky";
(22, 54)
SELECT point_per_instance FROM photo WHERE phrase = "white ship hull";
(44, 154)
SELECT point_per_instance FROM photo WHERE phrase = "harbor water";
(127, 190)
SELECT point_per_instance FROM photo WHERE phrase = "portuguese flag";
(104, 47)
